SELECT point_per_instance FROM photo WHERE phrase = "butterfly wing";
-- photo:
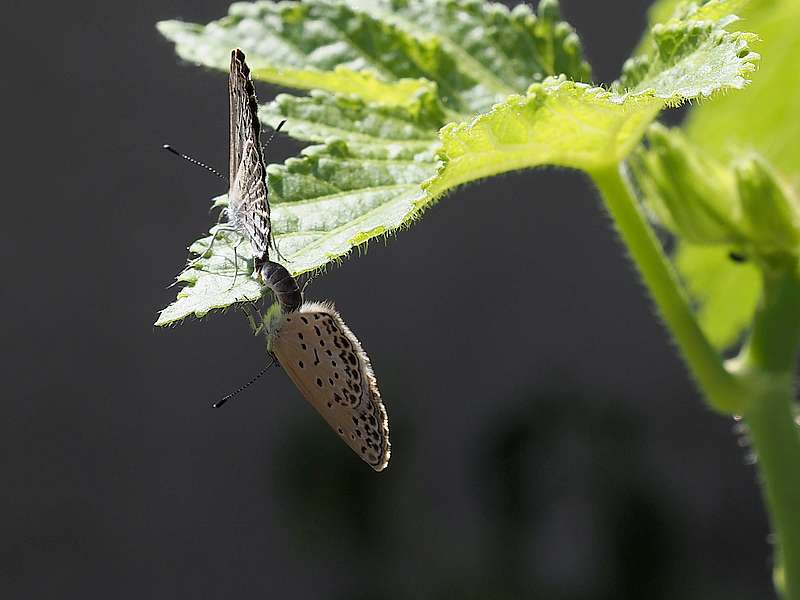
(327, 364)
(248, 207)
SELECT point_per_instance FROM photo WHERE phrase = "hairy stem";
(776, 442)
(760, 383)
(720, 388)
(766, 367)
(773, 343)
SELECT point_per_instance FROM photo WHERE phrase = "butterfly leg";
(253, 316)
(274, 246)
(207, 251)
(305, 285)
(236, 262)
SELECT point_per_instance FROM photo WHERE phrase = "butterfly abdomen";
(283, 285)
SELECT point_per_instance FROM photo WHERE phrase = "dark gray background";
(546, 440)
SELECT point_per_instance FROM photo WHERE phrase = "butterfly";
(309, 340)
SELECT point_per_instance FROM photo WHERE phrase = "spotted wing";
(248, 207)
(329, 367)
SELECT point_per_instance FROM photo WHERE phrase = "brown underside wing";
(327, 364)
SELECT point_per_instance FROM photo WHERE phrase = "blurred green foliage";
(764, 116)
(745, 151)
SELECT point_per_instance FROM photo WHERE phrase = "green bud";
(687, 191)
(771, 214)
(549, 10)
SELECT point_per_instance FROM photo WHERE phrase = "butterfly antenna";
(194, 161)
(275, 131)
(219, 403)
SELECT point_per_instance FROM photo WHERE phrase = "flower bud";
(687, 191)
(771, 214)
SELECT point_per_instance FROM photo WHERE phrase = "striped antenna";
(194, 161)
(219, 403)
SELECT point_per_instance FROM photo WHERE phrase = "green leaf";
(564, 123)
(375, 165)
(764, 117)
(389, 51)
(664, 11)
(333, 199)
(363, 182)
(691, 59)
(505, 50)
(557, 122)
(217, 280)
(712, 10)
(725, 292)
(393, 132)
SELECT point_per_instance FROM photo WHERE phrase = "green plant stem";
(760, 384)
(776, 443)
(766, 366)
(773, 343)
(719, 387)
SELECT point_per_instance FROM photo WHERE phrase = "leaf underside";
(560, 122)
(476, 53)
(765, 117)
(389, 147)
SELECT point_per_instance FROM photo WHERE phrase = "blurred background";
(546, 441)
